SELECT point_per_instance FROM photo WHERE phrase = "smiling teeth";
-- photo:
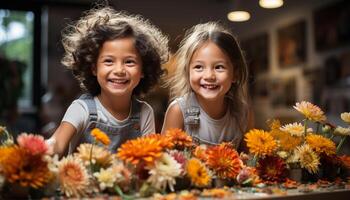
(118, 81)
(209, 86)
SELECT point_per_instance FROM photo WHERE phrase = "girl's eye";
(108, 61)
(198, 67)
(220, 67)
(130, 62)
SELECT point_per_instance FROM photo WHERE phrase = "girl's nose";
(119, 69)
(209, 74)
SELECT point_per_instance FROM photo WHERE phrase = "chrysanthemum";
(144, 149)
(295, 129)
(198, 173)
(248, 176)
(164, 172)
(123, 174)
(272, 169)
(321, 144)
(18, 166)
(308, 159)
(345, 159)
(310, 111)
(342, 131)
(99, 155)
(34, 144)
(73, 177)
(106, 178)
(345, 116)
(166, 142)
(260, 143)
(224, 161)
(180, 157)
(286, 142)
(200, 152)
(180, 138)
(100, 136)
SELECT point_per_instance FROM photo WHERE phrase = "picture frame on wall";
(284, 93)
(331, 24)
(292, 44)
(256, 53)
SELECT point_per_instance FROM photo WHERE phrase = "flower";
(295, 129)
(260, 143)
(310, 111)
(123, 174)
(200, 152)
(144, 149)
(272, 169)
(198, 173)
(99, 155)
(100, 136)
(219, 193)
(73, 177)
(106, 178)
(286, 141)
(345, 160)
(179, 138)
(34, 144)
(164, 172)
(321, 144)
(224, 160)
(248, 176)
(345, 116)
(308, 158)
(166, 142)
(18, 166)
(342, 131)
(179, 156)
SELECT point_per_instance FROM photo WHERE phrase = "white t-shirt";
(77, 114)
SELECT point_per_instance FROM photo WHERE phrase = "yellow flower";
(295, 129)
(224, 160)
(19, 166)
(198, 173)
(260, 143)
(166, 142)
(100, 136)
(73, 177)
(99, 155)
(106, 178)
(144, 149)
(308, 158)
(310, 111)
(286, 141)
(179, 138)
(345, 116)
(321, 144)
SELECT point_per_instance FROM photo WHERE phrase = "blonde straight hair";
(195, 37)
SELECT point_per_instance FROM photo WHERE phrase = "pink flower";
(34, 144)
(180, 158)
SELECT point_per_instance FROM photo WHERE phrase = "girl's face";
(119, 67)
(210, 72)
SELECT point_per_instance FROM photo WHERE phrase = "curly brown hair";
(83, 40)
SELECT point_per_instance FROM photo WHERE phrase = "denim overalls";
(118, 134)
(192, 121)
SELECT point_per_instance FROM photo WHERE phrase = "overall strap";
(90, 102)
(192, 111)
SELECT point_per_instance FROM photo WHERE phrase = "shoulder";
(144, 106)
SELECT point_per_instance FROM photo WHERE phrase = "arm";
(62, 137)
(147, 120)
(173, 117)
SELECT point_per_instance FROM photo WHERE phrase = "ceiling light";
(270, 3)
(238, 16)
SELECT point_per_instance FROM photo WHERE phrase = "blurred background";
(298, 51)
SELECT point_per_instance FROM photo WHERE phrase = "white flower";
(342, 131)
(345, 116)
(282, 154)
(165, 170)
(295, 129)
(106, 178)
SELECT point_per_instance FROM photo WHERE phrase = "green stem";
(122, 195)
(341, 143)
(317, 127)
(332, 136)
(91, 167)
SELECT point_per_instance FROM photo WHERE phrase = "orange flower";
(287, 142)
(260, 142)
(321, 144)
(146, 149)
(100, 136)
(166, 142)
(198, 173)
(179, 138)
(345, 160)
(34, 144)
(224, 160)
(310, 111)
(200, 152)
(19, 166)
